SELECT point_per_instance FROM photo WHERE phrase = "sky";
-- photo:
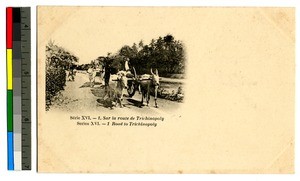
(91, 32)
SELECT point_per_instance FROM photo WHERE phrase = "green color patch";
(9, 110)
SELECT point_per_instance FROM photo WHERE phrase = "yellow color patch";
(9, 65)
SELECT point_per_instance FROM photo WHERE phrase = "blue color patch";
(10, 150)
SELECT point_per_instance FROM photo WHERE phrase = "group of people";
(104, 72)
(112, 96)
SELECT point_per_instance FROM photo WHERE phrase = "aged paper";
(235, 113)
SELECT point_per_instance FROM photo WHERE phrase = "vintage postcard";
(166, 89)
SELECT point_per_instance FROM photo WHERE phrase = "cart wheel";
(131, 90)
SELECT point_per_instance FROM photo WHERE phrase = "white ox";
(121, 85)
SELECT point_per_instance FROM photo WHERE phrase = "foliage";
(58, 60)
(164, 53)
(171, 95)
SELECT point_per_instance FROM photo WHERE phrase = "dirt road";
(79, 96)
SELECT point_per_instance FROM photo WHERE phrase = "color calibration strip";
(18, 88)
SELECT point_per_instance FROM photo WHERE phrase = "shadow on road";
(88, 84)
(106, 103)
(98, 92)
(106, 98)
(134, 102)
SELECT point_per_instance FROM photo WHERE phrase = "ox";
(147, 82)
(121, 85)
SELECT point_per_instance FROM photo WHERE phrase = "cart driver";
(127, 69)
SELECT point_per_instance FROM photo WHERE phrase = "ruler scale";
(18, 88)
(26, 88)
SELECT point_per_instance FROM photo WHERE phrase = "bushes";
(58, 60)
(172, 95)
(55, 82)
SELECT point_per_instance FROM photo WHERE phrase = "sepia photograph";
(135, 76)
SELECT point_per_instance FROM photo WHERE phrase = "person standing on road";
(107, 73)
(108, 91)
(92, 74)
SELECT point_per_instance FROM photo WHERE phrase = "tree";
(141, 44)
(164, 53)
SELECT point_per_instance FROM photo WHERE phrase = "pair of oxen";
(144, 83)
